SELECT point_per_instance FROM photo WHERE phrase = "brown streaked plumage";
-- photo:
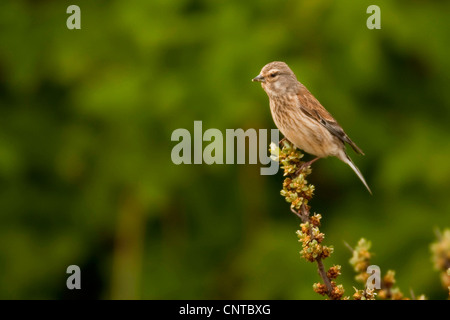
(302, 119)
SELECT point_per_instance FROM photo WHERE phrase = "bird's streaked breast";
(304, 132)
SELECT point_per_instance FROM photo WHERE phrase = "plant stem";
(304, 216)
(324, 276)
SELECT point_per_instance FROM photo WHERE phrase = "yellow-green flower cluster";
(388, 291)
(296, 189)
(311, 238)
(289, 157)
(334, 272)
(366, 294)
(361, 260)
(337, 292)
(441, 257)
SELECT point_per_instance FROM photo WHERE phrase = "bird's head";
(276, 78)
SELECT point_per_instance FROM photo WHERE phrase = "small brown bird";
(302, 119)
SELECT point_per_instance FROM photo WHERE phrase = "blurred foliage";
(86, 118)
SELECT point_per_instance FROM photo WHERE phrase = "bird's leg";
(281, 141)
(306, 165)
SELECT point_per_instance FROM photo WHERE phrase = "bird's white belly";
(309, 140)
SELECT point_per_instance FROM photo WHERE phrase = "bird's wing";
(312, 108)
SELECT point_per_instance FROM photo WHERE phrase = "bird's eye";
(274, 74)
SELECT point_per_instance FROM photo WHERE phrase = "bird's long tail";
(349, 161)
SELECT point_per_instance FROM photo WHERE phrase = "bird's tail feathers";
(349, 161)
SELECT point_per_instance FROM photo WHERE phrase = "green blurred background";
(86, 118)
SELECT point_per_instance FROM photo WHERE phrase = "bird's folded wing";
(312, 108)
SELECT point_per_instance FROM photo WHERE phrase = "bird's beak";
(259, 78)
